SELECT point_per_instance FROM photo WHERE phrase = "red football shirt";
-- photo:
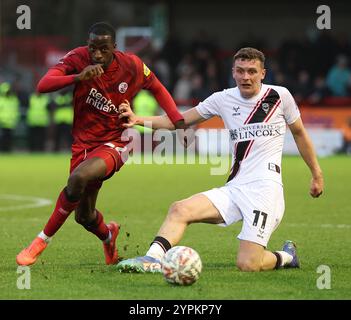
(96, 100)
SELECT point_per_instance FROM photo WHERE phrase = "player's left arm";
(150, 82)
(305, 146)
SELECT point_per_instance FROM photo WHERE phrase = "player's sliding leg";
(92, 220)
(197, 208)
(68, 200)
(254, 257)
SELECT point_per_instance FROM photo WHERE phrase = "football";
(181, 266)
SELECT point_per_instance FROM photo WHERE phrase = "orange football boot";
(110, 250)
(30, 254)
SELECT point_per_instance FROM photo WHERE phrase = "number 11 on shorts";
(257, 216)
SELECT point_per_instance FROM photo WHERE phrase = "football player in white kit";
(256, 116)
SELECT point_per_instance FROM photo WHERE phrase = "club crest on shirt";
(123, 86)
(265, 107)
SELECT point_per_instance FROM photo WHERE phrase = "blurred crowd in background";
(312, 70)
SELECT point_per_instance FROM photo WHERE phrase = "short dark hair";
(102, 29)
(249, 54)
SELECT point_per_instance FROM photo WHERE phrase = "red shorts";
(113, 153)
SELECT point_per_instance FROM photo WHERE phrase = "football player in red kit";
(103, 79)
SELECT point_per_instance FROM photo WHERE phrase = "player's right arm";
(191, 117)
(70, 69)
(56, 79)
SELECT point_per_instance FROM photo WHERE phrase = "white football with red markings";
(181, 265)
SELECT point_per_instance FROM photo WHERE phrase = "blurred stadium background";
(189, 45)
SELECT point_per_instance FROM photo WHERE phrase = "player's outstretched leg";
(197, 208)
(64, 206)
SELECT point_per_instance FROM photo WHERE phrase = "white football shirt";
(257, 127)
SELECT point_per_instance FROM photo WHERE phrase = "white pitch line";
(325, 225)
(35, 202)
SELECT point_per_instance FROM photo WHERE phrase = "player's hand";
(90, 72)
(317, 185)
(125, 112)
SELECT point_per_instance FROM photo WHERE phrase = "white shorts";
(260, 204)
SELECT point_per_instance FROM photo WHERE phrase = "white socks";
(286, 257)
(43, 236)
(156, 251)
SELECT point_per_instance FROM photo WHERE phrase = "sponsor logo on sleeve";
(146, 70)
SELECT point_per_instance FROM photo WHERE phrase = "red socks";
(62, 210)
(98, 227)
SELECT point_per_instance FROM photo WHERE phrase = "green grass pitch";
(138, 197)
